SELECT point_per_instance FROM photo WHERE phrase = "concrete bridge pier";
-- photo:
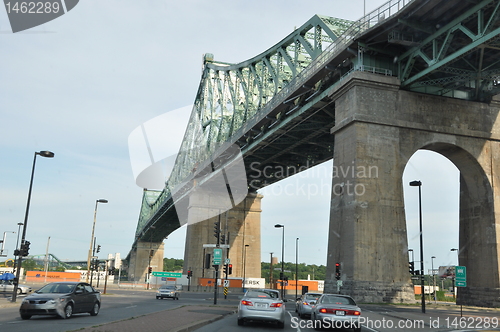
(143, 256)
(242, 226)
(378, 128)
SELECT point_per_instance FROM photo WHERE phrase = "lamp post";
(419, 185)
(433, 278)
(282, 273)
(3, 243)
(453, 284)
(92, 238)
(46, 154)
(245, 266)
(296, 266)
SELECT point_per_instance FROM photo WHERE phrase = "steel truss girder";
(473, 28)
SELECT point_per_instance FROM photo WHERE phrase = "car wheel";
(95, 309)
(19, 291)
(158, 297)
(357, 329)
(24, 316)
(241, 322)
(281, 325)
(68, 311)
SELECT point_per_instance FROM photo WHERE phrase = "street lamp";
(296, 266)
(433, 278)
(282, 273)
(419, 185)
(92, 238)
(46, 154)
(454, 273)
(3, 243)
(245, 265)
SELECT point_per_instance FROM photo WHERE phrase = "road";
(116, 305)
(122, 305)
(381, 318)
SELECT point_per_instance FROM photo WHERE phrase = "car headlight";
(26, 301)
(61, 299)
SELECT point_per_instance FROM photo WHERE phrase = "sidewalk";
(183, 319)
(443, 315)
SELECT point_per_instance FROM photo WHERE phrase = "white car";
(8, 286)
(262, 305)
(167, 292)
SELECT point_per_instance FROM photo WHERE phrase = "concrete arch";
(379, 125)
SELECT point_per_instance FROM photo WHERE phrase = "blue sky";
(80, 84)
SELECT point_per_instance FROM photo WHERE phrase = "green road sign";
(167, 274)
(217, 256)
(460, 276)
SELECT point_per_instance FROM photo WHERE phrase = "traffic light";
(223, 239)
(217, 230)
(225, 269)
(98, 248)
(412, 268)
(190, 273)
(230, 269)
(150, 269)
(25, 247)
(337, 271)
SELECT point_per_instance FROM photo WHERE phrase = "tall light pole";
(3, 243)
(92, 238)
(453, 281)
(46, 154)
(282, 273)
(433, 279)
(296, 266)
(419, 185)
(245, 266)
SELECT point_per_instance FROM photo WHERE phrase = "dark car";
(62, 299)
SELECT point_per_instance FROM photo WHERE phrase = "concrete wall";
(140, 260)
(378, 128)
(243, 225)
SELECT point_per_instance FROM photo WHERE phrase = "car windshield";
(263, 294)
(168, 287)
(338, 300)
(56, 288)
(312, 296)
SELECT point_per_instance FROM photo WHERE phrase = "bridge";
(412, 74)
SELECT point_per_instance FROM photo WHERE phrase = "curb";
(196, 325)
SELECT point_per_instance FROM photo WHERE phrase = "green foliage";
(172, 264)
(314, 271)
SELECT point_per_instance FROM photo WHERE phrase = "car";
(62, 299)
(304, 304)
(8, 286)
(262, 305)
(167, 291)
(337, 311)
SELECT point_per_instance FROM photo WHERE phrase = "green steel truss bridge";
(276, 107)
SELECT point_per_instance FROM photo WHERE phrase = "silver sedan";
(337, 311)
(304, 304)
(262, 305)
(8, 286)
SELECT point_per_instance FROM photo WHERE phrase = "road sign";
(226, 283)
(213, 245)
(167, 274)
(460, 276)
(227, 261)
(217, 256)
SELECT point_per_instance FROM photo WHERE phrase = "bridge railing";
(371, 19)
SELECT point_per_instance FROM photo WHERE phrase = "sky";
(80, 84)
